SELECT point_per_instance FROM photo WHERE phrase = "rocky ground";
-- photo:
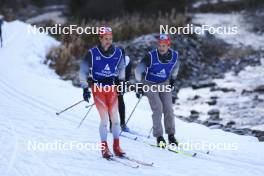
(235, 102)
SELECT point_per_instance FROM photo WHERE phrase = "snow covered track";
(31, 94)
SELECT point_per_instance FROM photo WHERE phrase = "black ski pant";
(1, 39)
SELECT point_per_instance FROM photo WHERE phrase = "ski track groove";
(24, 99)
(213, 154)
(25, 95)
(29, 101)
(51, 109)
(13, 155)
(234, 159)
(235, 163)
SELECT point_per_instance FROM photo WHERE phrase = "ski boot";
(105, 150)
(161, 142)
(117, 150)
(125, 128)
(172, 140)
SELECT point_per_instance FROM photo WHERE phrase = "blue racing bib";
(159, 72)
(105, 67)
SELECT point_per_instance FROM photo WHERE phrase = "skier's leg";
(112, 103)
(103, 135)
(169, 117)
(103, 127)
(112, 100)
(101, 105)
(156, 107)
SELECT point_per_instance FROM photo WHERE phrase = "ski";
(183, 152)
(177, 151)
(138, 161)
(131, 165)
(135, 137)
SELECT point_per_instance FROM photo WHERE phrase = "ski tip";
(194, 155)
(57, 113)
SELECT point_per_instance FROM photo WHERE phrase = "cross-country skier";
(1, 23)
(160, 67)
(103, 64)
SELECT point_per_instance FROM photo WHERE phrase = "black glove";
(139, 91)
(86, 94)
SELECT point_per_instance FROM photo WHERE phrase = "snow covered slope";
(31, 93)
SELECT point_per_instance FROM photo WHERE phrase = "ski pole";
(150, 132)
(58, 113)
(131, 113)
(85, 115)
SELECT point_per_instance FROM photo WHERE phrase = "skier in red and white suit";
(103, 64)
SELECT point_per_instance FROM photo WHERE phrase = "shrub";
(124, 28)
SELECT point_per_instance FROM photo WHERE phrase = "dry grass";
(124, 28)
